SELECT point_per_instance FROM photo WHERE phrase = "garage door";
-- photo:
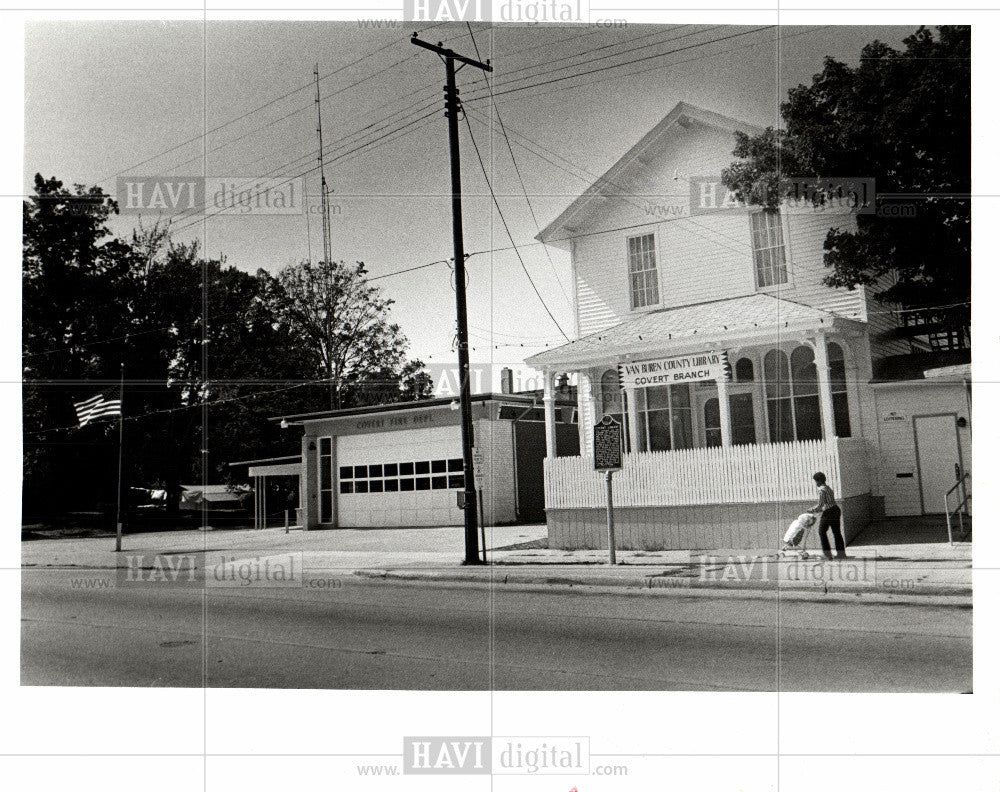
(400, 478)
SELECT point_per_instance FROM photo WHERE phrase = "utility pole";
(452, 108)
(327, 244)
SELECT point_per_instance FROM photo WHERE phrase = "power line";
(279, 168)
(587, 53)
(87, 344)
(424, 101)
(676, 63)
(202, 405)
(520, 179)
(194, 218)
(716, 238)
(619, 65)
(250, 112)
(510, 236)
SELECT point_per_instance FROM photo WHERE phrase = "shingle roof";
(692, 326)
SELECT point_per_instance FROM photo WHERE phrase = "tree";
(344, 322)
(71, 268)
(904, 119)
(210, 352)
(211, 339)
(207, 361)
(74, 281)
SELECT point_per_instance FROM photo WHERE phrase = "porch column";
(631, 410)
(549, 400)
(825, 393)
(725, 420)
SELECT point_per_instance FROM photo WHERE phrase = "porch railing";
(963, 496)
(699, 476)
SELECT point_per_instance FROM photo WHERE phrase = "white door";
(403, 478)
(938, 458)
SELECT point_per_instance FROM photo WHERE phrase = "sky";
(110, 99)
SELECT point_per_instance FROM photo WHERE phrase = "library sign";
(672, 370)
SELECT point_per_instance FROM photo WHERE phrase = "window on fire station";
(770, 267)
(642, 276)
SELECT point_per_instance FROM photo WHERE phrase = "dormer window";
(770, 266)
(642, 277)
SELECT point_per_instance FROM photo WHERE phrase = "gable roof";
(683, 114)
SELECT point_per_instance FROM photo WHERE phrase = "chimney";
(506, 380)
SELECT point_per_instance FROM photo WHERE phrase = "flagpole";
(121, 446)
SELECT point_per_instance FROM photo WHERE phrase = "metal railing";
(960, 510)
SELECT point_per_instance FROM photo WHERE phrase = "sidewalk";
(916, 570)
(433, 555)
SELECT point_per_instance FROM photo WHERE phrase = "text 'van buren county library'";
(735, 372)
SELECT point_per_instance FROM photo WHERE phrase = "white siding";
(700, 258)
(896, 438)
(806, 234)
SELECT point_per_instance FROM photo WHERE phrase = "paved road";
(373, 634)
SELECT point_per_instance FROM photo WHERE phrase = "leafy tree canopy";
(192, 333)
(343, 322)
(902, 118)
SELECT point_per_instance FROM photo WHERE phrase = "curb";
(955, 595)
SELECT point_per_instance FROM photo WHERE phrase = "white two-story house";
(706, 330)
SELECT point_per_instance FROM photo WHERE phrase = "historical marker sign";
(608, 444)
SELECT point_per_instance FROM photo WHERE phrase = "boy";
(829, 513)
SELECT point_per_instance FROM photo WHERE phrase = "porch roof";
(759, 318)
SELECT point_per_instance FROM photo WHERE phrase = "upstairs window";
(643, 282)
(770, 266)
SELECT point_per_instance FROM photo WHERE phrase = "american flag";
(97, 407)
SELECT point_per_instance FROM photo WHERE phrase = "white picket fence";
(738, 474)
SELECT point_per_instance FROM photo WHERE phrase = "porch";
(740, 496)
(727, 410)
